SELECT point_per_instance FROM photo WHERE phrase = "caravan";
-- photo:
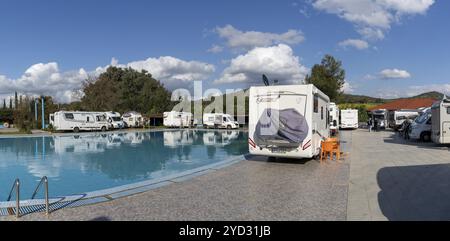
(396, 118)
(115, 120)
(441, 122)
(421, 127)
(79, 121)
(334, 118)
(133, 120)
(288, 121)
(349, 119)
(219, 121)
(178, 119)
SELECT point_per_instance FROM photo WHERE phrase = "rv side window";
(448, 110)
(69, 116)
(316, 104)
(88, 119)
(321, 113)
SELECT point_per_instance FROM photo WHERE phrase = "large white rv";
(421, 127)
(178, 119)
(133, 119)
(441, 122)
(396, 118)
(381, 117)
(334, 118)
(219, 121)
(288, 121)
(349, 119)
(79, 121)
(115, 120)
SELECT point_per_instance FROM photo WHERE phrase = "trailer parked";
(334, 118)
(115, 120)
(288, 121)
(219, 121)
(79, 121)
(441, 122)
(133, 119)
(178, 119)
(349, 119)
(396, 118)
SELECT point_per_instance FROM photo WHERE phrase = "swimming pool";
(76, 164)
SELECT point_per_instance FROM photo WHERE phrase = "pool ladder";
(16, 187)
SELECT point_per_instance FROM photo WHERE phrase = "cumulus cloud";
(348, 88)
(278, 62)
(372, 18)
(215, 49)
(394, 74)
(237, 39)
(354, 43)
(47, 79)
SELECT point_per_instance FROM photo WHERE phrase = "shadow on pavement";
(277, 160)
(415, 193)
(101, 219)
(395, 138)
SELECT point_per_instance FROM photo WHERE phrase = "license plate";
(279, 151)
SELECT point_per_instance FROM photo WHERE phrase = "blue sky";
(390, 48)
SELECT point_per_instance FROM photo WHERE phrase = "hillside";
(361, 99)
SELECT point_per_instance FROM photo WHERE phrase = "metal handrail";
(16, 186)
(44, 180)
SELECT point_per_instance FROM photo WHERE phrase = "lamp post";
(43, 112)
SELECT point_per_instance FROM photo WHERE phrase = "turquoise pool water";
(91, 162)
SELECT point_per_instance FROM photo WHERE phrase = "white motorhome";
(115, 120)
(79, 121)
(178, 119)
(381, 117)
(440, 133)
(334, 118)
(133, 119)
(288, 121)
(421, 127)
(349, 119)
(396, 118)
(219, 121)
(221, 138)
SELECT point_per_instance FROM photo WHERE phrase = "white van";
(334, 118)
(219, 121)
(133, 119)
(381, 117)
(178, 119)
(288, 121)
(115, 120)
(440, 133)
(79, 121)
(349, 119)
(421, 127)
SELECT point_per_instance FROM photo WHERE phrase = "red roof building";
(406, 104)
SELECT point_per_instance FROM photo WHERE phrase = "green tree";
(125, 90)
(10, 104)
(4, 104)
(329, 77)
(16, 100)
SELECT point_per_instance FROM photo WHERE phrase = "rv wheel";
(76, 129)
(425, 137)
(229, 127)
(103, 129)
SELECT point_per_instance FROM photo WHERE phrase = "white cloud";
(47, 79)
(278, 62)
(348, 88)
(372, 18)
(355, 43)
(237, 39)
(394, 74)
(215, 49)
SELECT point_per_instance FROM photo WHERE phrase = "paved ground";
(384, 178)
(393, 179)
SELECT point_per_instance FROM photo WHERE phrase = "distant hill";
(361, 99)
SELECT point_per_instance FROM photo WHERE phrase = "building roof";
(406, 104)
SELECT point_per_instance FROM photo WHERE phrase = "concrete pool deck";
(384, 178)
